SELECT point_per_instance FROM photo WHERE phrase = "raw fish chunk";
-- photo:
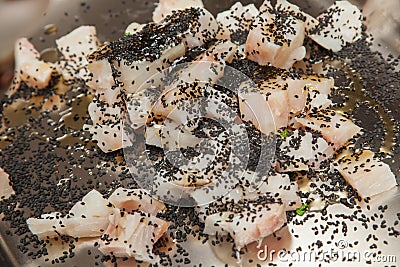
(276, 38)
(366, 174)
(249, 225)
(335, 128)
(339, 25)
(29, 68)
(75, 47)
(6, 189)
(166, 7)
(132, 235)
(135, 199)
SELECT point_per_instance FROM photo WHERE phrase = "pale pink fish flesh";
(166, 7)
(366, 173)
(247, 226)
(335, 128)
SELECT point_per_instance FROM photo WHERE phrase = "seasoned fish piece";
(236, 20)
(170, 136)
(180, 100)
(263, 107)
(366, 174)
(92, 204)
(29, 68)
(48, 226)
(167, 7)
(277, 186)
(139, 106)
(84, 227)
(135, 199)
(132, 235)
(87, 218)
(287, 190)
(75, 47)
(316, 100)
(276, 38)
(279, 99)
(107, 124)
(108, 137)
(286, 7)
(53, 224)
(302, 150)
(250, 225)
(191, 79)
(335, 128)
(102, 113)
(307, 87)
(142, 54)
(103, 81)
(339, 25)
(6, 189)
(133, 76)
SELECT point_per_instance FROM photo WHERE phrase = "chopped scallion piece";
(284, 133)
(300, 211)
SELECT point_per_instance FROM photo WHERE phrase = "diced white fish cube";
(48, 226)
(286, 6)
(366, 174)
(135, 75)
(166, 7)
(301, 150)
(132, 235)
(276, 185)
(339, 25)
(108, 137)
(237, 18)
(103, 113)
(263, 107)
(298, 90)
(280, 99)
(6, 189)
(92, 204)
(135, 199)
(75, 47)
(29, 68)
(249, 225)
(335, 128)
(276, 38)
(87, 218)
(102, 80)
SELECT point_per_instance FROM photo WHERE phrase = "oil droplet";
(70, 141)
(49, 55)
(50, 29)
(64, 184)
(4, 142)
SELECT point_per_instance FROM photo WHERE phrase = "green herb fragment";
(300, 211)
(284, 133)
(127, 33)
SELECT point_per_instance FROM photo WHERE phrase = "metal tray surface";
(368, 239)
